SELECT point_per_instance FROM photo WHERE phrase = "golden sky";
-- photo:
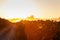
(24, 8)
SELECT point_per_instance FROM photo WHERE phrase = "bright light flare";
(31, 18)
(15, 15)
(14, 20)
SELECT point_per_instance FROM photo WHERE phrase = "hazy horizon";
(25, 8)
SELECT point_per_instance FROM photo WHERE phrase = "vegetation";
(30, 30)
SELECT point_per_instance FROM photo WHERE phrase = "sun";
(16, 15)
(30, 18)
(14, 20)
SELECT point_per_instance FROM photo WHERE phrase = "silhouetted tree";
(20, 31)
(58, 31)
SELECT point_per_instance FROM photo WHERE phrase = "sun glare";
(15, 15)
(14, 20)
(30, 18)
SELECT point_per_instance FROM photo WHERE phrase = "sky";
(25, 8)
